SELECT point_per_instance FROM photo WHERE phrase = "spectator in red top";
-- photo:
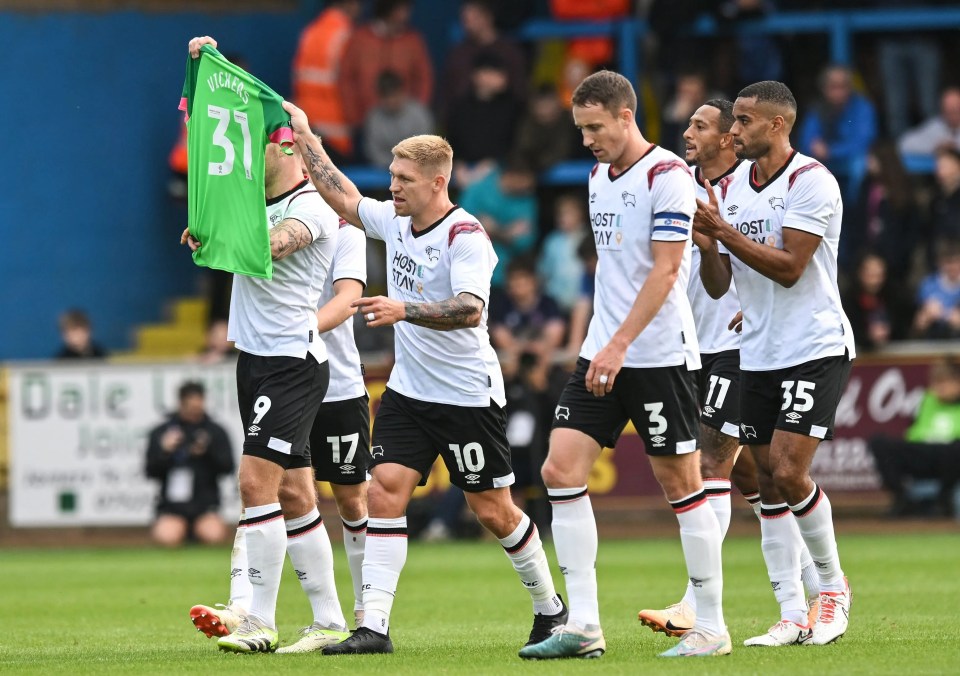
(387, 43)
(481, 34)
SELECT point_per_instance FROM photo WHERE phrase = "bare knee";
(351, 502)
(169, 530)
(792, 481)
(496, 512)
(210, 529)
(385, 502)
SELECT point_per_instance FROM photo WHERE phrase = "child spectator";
(939, 297)
(77, 336)
(877, 311)
(559, 266)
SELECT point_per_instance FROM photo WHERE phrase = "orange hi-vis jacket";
(316, 67)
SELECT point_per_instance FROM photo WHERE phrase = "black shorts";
(471, 440)
(719, 382)
(661, 402)
(801, 399)
(340, 441)
(279, 398)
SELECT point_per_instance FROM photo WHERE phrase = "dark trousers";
(899, 461)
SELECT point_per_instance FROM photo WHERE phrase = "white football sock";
(575, 539)
(241, 592)
(308, 547)
(718, 497)
(701, 541)
(354, 541)
(525, 551)
(266, 541)
(384, 556)
(815, 519)
(778, 540)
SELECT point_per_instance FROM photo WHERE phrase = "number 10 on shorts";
(470, 458)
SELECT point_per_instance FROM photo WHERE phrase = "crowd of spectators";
(367, 81)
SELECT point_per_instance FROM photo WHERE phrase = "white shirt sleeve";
(812, 201)
(350, 259)
(673, 200)
(471, 263)
(376, 217)
(310, 209)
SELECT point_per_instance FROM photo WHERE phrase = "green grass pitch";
(460, 609)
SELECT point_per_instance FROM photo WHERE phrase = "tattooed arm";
(460, 312)
(289, 236)
(336, 189)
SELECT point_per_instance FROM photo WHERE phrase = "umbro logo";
(472, 478)
(253, 573)
(775, 585)
(748, 431)
(708, 411)
(301, 574)
(347, 469)
(563, 570)
(562, 412)
(593, 198)
(234, 572)
(658, 441)
(732, 209)
(696, 582)
(777, 202)
(793, 416)
(253, 429)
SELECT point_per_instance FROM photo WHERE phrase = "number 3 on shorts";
(802, 397)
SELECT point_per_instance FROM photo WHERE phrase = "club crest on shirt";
(777, 202)
(432, 253)
(629, 199)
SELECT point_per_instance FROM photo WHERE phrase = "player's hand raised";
(707, 219)
(194, 45)
(298, 120)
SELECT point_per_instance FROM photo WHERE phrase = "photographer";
(187, 454)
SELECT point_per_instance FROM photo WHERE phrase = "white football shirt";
(346, 371)
(786, 327)
(277, 317)
(712, 316)
(653, 200)
(452, 256)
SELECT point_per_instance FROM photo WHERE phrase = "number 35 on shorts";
(798, 395)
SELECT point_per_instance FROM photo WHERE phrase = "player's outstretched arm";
(336, 189)
(463, 311)
(339, 309)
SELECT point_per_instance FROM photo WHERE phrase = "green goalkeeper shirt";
(231, 116)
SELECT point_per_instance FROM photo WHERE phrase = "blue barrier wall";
(90, 112)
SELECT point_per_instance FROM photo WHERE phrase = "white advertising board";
(78, 435)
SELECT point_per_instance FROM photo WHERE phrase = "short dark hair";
(770, 91)
(384, 8)
(525, 265)
(191, 388)
(608, 89)
(74, 318)
(726, 113)
(389, 82)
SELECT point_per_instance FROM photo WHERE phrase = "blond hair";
(430, 153)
